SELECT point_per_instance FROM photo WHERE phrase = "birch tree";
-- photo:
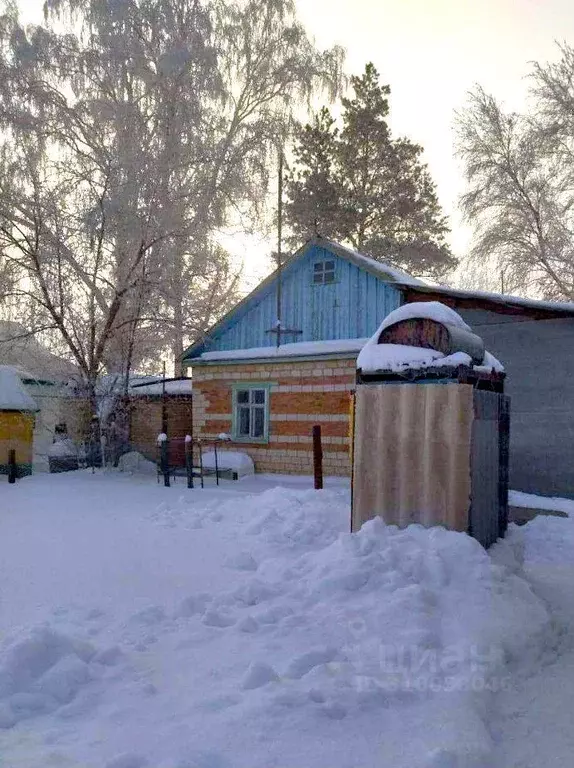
(519, 170)
(134, 130)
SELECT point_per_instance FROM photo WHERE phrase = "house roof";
(502, 302)
(413, 289)
(22, 349)
(178, 386)
(379, 269)
(300, 349)
(13, 396)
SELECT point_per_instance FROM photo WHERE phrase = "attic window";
(324, 272)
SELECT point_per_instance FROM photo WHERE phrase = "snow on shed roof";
(399, 357)
(13, 396)
(296, 349)
(430, 310)
(172, 387)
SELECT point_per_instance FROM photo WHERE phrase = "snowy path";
(536, 726)
(243, 627)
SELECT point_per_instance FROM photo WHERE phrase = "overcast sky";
(431, 52)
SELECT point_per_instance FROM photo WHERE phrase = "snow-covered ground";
(244, 627)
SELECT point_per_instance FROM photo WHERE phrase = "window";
(324, 272)
(251, 413)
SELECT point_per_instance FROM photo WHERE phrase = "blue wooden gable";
(349, 307)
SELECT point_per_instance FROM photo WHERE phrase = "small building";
(45, 378)
(17, 411)
(159, 406)
(267, 397)
(431, 424)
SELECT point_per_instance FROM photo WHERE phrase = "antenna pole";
(279, 237)
(163, 402)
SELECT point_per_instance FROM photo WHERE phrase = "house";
(44, 376)
(268, 397)
(17, 413)
(160, 406)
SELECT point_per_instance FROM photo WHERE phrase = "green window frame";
(250, 422)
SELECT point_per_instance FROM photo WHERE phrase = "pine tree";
(315, 208)
(365, 188)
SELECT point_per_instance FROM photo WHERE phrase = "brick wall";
(146, 424)
(301, 394)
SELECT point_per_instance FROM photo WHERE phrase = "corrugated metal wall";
(349, 308)
(435, 454)
(412, 454)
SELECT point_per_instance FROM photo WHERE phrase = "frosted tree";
(133, 132)
(361, 186)
(520, 183)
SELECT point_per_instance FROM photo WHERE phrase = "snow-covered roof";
(19, 349)
(429, 310)
(13, 396)
(399, 357)
(380, 267)
(297, 349)
(563, 307)
(172, 387)
(381, 270)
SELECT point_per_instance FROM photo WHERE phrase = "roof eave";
(198, 362)
(261, 287)
(510, 302)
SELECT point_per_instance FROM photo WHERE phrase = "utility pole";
(279, 238)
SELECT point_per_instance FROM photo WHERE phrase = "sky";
(431, 53)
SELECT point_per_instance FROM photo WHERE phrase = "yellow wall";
(16, 432)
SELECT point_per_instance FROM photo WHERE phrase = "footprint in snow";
(193, 605)
(258, 675)
(128, 760)
(213, 618)
(274, 614)
(150, 616)
(204, 760)
(243, 561)
(334, 711)
(248, 625)
(303, 664)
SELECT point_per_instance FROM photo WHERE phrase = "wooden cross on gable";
(280, 331)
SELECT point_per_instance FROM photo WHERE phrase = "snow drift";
(280, 639)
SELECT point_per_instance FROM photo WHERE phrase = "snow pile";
(530, 500)
(63, 449)
(136, 464)
(429, 310)
(249, 630)
(42, 672)
(236, 461)
(13, 396)
(546, 539)
(398, 357)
